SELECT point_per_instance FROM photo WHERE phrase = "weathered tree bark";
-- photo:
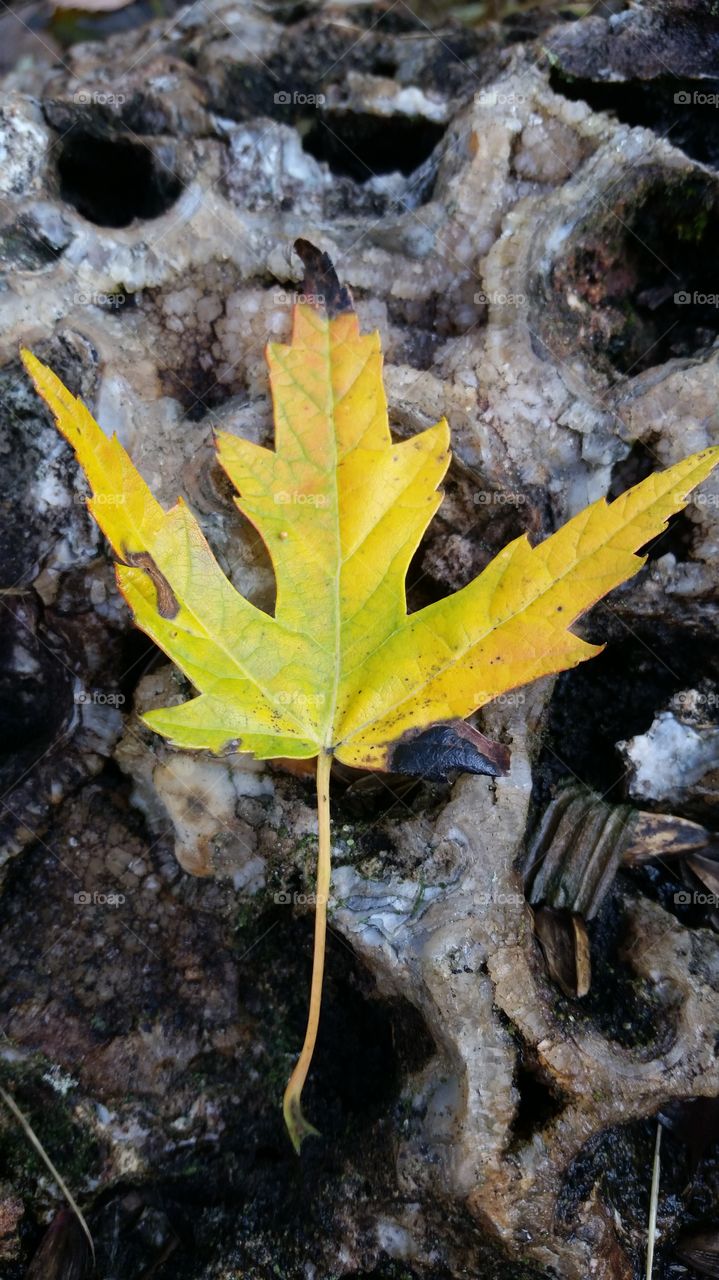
(535, 254)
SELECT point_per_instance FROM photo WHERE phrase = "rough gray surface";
(527, 275)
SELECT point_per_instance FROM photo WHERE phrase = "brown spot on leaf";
(167, 602)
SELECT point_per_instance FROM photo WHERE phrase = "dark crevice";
(113, 181)
(311, 68)
(290, 13)
(196, 388)
(639, 463)
(645, 279)
(137, 655)
(622, 1007)
(360, 146)
(682, 112)
(418, 349)
(665, 882)
(367, 797)
(422, 335)
(539, 1101)
(35, 685)
(616, 696)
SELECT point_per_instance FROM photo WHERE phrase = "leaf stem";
(297, 1126)
(653, 1199)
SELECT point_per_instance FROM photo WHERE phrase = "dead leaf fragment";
(564, 941)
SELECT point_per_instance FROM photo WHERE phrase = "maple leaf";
(342, 670)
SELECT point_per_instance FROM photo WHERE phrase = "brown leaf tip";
(444, 748)
(321, 286)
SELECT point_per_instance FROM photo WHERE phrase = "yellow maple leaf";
(342, 670)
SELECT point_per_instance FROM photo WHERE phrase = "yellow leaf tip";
(29, 360)
(38, 372)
